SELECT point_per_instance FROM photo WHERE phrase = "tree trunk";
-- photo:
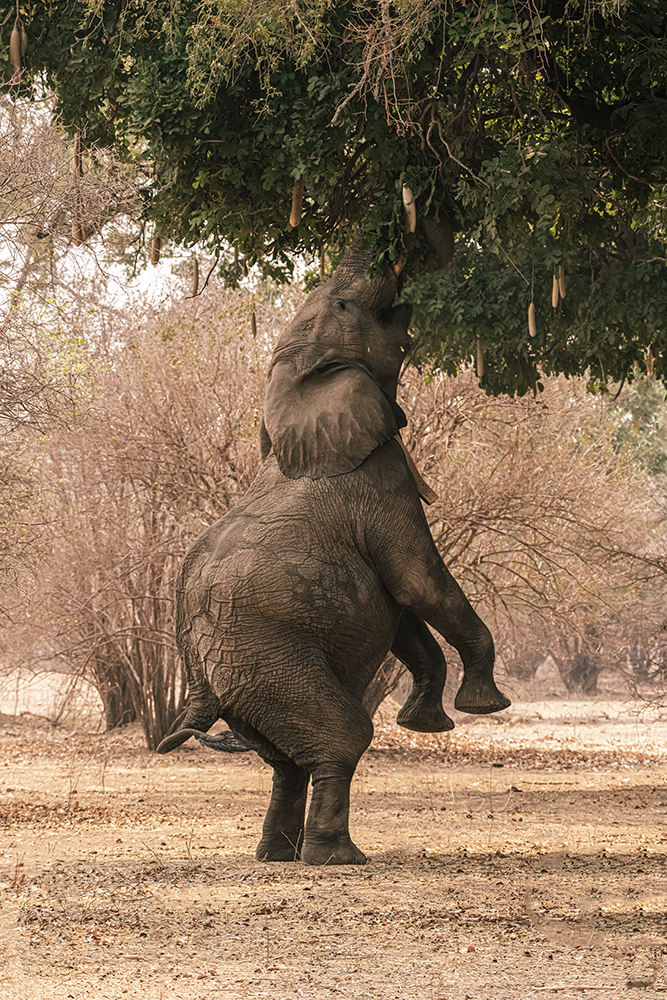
(116, 692)
(385, 681)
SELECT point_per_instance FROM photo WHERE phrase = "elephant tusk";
(428, 495)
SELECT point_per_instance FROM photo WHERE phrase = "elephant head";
(331, 398)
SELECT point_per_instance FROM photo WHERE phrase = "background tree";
(52, 198)
(537, 126)
(168, 446)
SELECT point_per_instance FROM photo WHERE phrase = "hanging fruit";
(561, 280)
(532, 328)
(18, 43)
(480, 358)
(410, 223)
(410, 210)
(156, 247)
(297, 204)
(554, 292)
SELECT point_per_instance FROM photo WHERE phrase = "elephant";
(287, 606)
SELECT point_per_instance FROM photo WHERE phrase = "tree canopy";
(538, 127)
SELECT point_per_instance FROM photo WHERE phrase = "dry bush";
(19, 529)
(45, 377)
(45, 366)
(55, 192)
(552, 530)
(169, 445)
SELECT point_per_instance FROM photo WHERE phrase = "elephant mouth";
(395, 315)
(394, 324)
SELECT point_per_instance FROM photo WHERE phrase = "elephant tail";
(203, 707)
(203, 711)
(227, 742)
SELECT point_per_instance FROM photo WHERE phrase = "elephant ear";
(326, 420)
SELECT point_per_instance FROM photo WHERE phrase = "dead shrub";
(552, 529)
(168, 447)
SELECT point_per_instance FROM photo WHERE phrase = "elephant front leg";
(466, 632)
(463, 629)
(282, 832)
(327, 838)
(478, 693)
(418, 650)
(443, 605)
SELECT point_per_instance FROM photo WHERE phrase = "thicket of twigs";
(168, 444)
(49, 193)
(553, 526)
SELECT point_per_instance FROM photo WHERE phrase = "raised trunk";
(381, 291)
(440, 238)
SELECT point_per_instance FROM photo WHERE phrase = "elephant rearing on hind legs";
(288, 605)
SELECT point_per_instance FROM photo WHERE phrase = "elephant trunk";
(379, 293)
(440, 238)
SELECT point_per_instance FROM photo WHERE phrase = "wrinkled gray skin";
(288, 605)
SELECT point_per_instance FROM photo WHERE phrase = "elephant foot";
(332, 852)
(281, 847)
(480, 697)
(424, 717)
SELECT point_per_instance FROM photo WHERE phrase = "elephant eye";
(341, 304)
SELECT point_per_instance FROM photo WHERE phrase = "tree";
(51, 198)
(44, 199)
(538, 126)
(168, 446)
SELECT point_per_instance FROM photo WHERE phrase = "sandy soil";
(514, 859)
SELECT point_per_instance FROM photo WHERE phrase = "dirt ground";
(511, 859)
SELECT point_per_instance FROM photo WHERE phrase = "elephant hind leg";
(282, 832)
(323, 730)
(327, 838)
